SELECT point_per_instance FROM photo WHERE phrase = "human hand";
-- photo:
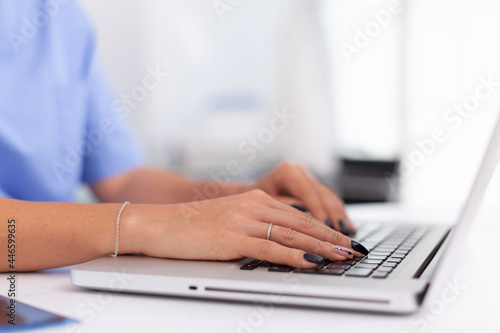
(293, 184)
(236, 226)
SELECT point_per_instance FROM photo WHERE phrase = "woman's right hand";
(233, 227)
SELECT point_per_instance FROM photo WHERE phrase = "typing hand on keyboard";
(388, 247)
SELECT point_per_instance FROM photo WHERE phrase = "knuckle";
(325, 247)
(258, 193)
(232, 215)
(289, 235)
(335, 237)
(287, 166)
(307, 222)
(246, 203)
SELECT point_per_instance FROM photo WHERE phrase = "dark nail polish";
(343, 228)
(301, 208)
(329, 223)
(313, 258)
(358, 247)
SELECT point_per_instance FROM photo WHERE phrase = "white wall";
(451, 45)
(396, 90)
(365, 60)
(260, 56)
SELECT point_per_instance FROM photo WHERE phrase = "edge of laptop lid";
(450, 252)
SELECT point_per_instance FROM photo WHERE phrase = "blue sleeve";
(110, 149)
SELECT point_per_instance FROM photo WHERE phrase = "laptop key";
(385, 248)
(381, 253)
(380, 275)
(369, 266)
(331, 271)
(251, 265)
(396, 260)
(384, 269)
(375, 257)
(264, 263)
(306, 270)
(371, 261)
(349, 261)
(359, 272)
(281, 268)
(337, 266)
(390, 264)
(401, 256)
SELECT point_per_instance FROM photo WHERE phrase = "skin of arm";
(155, 186)
(51, 235)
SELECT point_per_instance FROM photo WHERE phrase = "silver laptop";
(406, 265)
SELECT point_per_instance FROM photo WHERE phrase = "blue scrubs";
(58, 125)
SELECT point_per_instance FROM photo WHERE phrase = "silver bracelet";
(118, 227)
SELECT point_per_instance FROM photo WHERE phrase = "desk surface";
(475, 307)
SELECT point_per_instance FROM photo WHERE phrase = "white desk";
(476, 309)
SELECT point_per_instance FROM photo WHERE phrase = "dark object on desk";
(364, 181)
(17, 316)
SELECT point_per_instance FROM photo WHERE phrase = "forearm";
(51, 235)
(148, 185)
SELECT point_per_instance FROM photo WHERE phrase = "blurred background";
(382, 100)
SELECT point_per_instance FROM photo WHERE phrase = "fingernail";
(313, 258)
(343, 251)
(358, 247)
(301, 208)
(343, 228)
(329, 223)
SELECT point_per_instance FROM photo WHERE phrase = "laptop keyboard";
(388, 246)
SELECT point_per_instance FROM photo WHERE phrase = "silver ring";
(269, 230)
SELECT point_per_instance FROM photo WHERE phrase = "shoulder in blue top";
(58, 127)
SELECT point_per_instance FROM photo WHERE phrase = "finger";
(331, 205)
(313, 200)
(295, 220)
(273, 252)
(336, 211)
(350, 225)
(288, 200)
(291, 238)
(324, 233)
(303, 223)
(296, 182)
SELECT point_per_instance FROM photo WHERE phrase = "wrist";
(206, 190)
(131, 233)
